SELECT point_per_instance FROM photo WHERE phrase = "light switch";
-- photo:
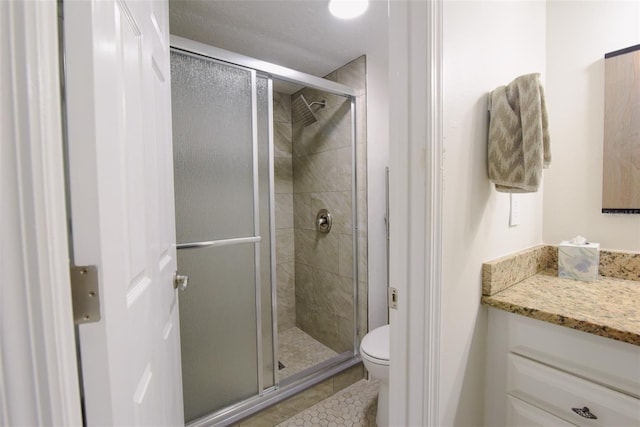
(514, 210)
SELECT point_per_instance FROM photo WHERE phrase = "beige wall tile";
(283, 176)
(302, 215)
(324, 307)
(361, 158)
(362, 259)
(285, 247)
(282, 139)
(283, 183)
(333, 76)
(281, 107)
(315, 173)
(304, 283)
(285, 279)
(284, 210)
(352, 74)
(363, 310)
(361, 119)
(316, 249)
(345, 254)
(363, 224)
(342, 181)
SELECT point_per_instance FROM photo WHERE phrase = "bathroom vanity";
(561, 352)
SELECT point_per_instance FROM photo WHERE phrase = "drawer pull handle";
(584, 413)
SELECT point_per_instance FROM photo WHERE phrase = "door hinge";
(393, 298)
(85, 294)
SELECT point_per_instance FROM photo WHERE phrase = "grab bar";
(216, 243)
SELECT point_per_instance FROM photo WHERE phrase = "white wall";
(486, 44)
(38, 368)
(377, 160)
(578, 36)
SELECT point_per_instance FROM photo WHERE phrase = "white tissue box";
(579, 262)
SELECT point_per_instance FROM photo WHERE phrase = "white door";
(121, 173)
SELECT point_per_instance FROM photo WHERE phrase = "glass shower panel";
(225, 324)
(212, 132)
(218, 328)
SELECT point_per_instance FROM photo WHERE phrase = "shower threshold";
(287, 388)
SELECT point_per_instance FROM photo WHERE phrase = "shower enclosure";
(266, 227)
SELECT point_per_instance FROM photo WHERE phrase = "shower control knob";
(180, 281)
(324, 221)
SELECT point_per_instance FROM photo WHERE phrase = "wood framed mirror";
(621, 164)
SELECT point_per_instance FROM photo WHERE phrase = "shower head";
(302, 110)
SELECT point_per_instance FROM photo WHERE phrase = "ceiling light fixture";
(348, 9)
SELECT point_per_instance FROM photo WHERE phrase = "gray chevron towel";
(518, 145)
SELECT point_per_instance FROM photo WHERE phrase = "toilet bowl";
(374, 350)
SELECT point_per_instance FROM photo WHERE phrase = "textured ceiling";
(298, 34)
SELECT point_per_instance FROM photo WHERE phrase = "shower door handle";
(180, 281)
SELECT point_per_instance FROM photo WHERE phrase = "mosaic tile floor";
(355, 406)
(298, 351)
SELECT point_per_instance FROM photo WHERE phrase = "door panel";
(120, 167)
(222, 173)
(212, 116)
(219, 351)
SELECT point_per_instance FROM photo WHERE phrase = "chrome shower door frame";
(271, 395)
(256, 238)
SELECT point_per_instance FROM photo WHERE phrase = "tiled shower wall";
(283, 183)
(322, 178)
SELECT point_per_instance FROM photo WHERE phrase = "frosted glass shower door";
(220, 186)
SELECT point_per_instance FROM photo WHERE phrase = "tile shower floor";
(354, 406)
(298, 351)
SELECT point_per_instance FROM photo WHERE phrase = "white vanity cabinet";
(520, 413)
(541, 374)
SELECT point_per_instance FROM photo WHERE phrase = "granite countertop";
(609, 307)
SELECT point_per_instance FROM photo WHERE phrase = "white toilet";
(374, 350)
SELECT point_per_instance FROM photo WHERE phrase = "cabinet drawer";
(605, 361)
(521, 414)
(557, 392)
